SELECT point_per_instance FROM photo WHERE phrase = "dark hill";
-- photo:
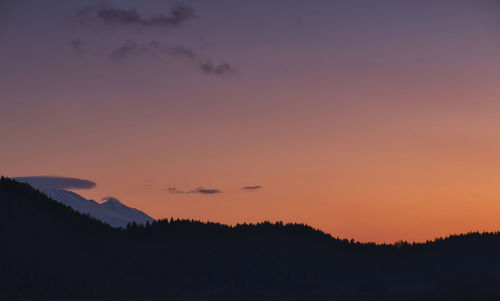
(48, 251)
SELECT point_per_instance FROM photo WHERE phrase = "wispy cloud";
(200, 190)
(105, 14)
(57, 182)
(153, 48)
(157, 49)
(251, 188)
(179, 14)
(209, 68)
(130, 49)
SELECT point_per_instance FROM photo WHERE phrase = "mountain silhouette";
(51, 252)
(112, 211)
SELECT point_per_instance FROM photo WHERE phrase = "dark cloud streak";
(209, 68)
(200, 190)
(179, 14)
(205, 190)
(251, 188)
(157, 49)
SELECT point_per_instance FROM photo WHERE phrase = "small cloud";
(209, 68)
(179, 14)
(205, 191)
(174, 190)
(251, 188)
(200, 190)
(57, 182)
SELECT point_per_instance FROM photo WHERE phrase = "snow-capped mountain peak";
(112, 211)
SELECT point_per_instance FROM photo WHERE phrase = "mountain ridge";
(116, 216)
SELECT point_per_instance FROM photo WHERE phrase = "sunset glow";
(378, 122)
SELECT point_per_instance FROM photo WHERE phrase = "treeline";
(49, 251)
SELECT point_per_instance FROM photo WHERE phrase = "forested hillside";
(50, 251)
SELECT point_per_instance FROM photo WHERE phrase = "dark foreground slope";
(48, 251)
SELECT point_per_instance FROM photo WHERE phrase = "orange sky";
(378, 123)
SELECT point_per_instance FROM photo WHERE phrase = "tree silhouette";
(50, 251)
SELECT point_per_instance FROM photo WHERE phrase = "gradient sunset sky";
(372, 120)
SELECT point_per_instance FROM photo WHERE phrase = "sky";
(372, 120)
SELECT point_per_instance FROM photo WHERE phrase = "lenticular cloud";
(58, 182)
